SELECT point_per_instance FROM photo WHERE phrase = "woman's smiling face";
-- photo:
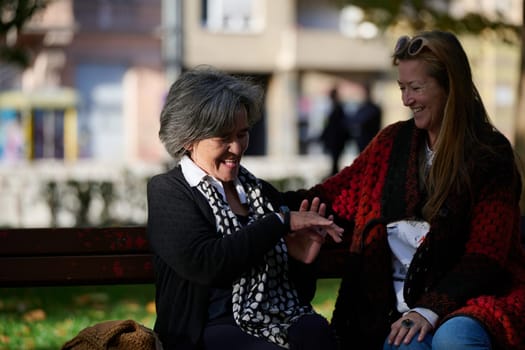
(220, 156)
(423, 95)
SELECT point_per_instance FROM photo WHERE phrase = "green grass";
(324, 299)
(45, 318)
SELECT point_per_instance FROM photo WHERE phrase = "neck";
(233, 199)
(431, 141)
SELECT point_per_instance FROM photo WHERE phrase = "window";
(48, 134)
(235, 16)
(38, 125)
(11, 135)
(101, 124)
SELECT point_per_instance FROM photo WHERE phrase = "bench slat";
(112, 255)
(110, 269)
(75, 270)
(72, 241)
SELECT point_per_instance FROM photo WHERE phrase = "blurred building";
(88, 106)
(119, 56)
(98, 67)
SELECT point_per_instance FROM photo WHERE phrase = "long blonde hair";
(464, 116)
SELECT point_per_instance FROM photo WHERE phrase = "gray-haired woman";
(228, 257)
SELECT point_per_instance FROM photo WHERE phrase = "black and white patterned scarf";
(264, 301)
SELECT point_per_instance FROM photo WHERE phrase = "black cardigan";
(190, 256)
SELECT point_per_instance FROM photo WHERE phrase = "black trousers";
(310, 332)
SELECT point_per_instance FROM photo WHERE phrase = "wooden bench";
(97, 256)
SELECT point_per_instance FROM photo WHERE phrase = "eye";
(226, 139)
(222, 139)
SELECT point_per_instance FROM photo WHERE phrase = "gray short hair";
(202, 103)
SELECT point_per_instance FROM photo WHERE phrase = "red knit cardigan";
(471, 262)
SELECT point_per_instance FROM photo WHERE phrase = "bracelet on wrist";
(285, 211)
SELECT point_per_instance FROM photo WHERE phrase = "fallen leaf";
(35, 315)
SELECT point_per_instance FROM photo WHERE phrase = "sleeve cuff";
(428, 314)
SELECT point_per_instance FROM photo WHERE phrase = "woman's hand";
(309, 228)
(404, 329)
(304, 246)
(313, 218)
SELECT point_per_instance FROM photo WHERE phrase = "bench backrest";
(112, 255)
(82, 256)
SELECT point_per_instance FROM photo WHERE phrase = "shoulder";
(494, 160)
(386, 136)
(166, 176)
(168, 181)
(267, 189)
(272, 193)
(495, 149)
(394, 128)
(171, 190)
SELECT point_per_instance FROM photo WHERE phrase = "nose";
(407, 98)
(236, 147)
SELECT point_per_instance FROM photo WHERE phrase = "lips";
(231, 163)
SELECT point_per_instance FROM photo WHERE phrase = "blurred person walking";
(365, 122)
(335, 133)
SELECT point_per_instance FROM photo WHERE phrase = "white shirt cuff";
(428, 314)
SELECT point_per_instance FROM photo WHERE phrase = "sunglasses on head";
(412, 45)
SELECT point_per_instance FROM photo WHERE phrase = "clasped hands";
(309, 228)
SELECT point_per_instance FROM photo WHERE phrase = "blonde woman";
(435, 260)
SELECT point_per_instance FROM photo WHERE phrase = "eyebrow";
(412, 82)
(231, 132)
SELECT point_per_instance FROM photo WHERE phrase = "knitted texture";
(471, 262)
(114, 335)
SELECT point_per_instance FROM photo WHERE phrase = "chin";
(421, 123)
(229, 177)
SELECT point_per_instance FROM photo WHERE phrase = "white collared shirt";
(193, 175)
